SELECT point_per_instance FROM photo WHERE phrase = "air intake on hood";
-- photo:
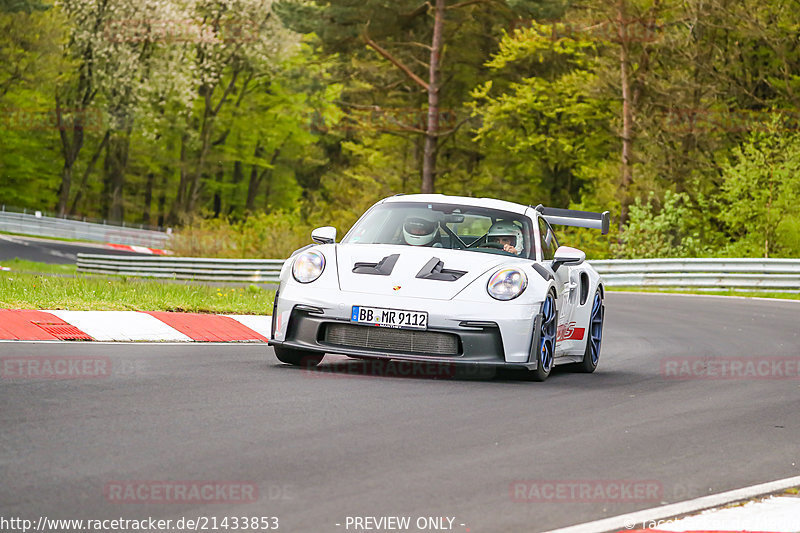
(383, 267)
(434, 269)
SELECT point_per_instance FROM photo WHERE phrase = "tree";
(25, 6)
(411, 36)
(668, 231)
(546, 125)
(226, 66)
(761, 192)
(30, 52)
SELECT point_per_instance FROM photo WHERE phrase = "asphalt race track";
(341, 441)
(50, 251)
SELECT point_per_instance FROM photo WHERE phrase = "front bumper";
(461, 342)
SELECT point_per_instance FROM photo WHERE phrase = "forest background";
(243, 124)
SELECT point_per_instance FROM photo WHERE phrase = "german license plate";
(389, 318)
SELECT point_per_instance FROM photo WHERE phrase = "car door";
(565, 284)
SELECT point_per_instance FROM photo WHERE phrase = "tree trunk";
(148, 199)
(238, 176)
(70, 148)
(627, 115)
(115, 165)
(254, 183)
(86, 173)
(257, 179)
(66, 183)
(252, 189)
(162, 201)
(179, 205)
(193, 193)
(432, 131)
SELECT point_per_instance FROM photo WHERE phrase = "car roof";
(490, 203)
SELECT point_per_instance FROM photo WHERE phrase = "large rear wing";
(581, 219)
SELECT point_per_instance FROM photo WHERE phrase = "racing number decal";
(568, 332)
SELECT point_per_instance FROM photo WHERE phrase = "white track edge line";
(621, 522)
(729, 296)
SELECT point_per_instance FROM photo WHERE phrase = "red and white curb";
(138, 249)
(717, 514)
(131, 326)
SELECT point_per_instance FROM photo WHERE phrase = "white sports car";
(444, 279)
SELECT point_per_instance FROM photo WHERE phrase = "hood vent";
(434, 269)
(383, 267)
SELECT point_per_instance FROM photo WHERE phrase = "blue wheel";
(546, 347)
(594, 335)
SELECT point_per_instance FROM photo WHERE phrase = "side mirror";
(325, 235)
(568, 256)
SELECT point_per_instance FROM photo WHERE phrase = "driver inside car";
(508, 235)
(421, 231)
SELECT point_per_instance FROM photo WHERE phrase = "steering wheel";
(498, 245)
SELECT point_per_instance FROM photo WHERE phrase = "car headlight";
(308, 266)
(507, 284)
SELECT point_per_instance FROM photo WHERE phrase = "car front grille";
(392, 340)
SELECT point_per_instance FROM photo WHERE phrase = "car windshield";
(456, 227)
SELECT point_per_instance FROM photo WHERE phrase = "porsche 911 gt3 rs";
(445, 279)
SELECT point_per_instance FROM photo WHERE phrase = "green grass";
(62, 239)
(32, 285)
(21, 265)
(89, 293)
(746, 294)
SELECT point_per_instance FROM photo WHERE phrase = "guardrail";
(751, 274)
(63, 228)
(187, 268)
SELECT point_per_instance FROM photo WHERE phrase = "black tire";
(546, 340)
(304, 358)
(594, 336)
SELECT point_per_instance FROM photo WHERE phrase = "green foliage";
(92, 293)
(269, 119)
(29, 64)
(264, 236)
(26, 6)
(376, 171)
(548, 127)
(661, 231)
(761, 193)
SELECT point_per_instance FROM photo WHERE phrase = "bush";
(761, 193)
(263, 236)
(666, 232)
